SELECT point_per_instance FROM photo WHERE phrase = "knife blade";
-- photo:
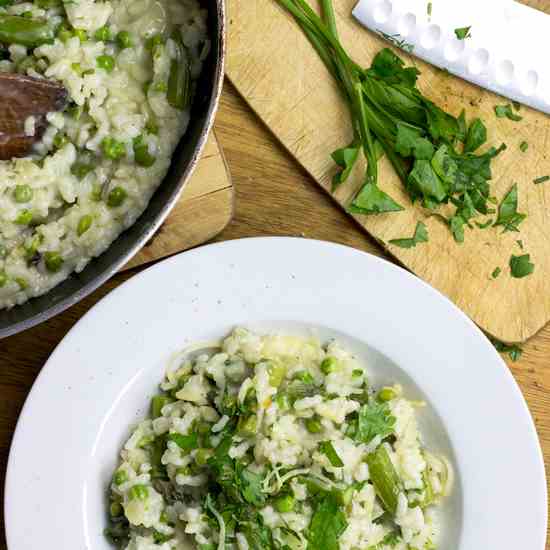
(505, 51)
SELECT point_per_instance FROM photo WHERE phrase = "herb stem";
(328, 11)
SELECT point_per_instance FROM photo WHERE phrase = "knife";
(506, 50)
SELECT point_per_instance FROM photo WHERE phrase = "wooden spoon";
(23, 96)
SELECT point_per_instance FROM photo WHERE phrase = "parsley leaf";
(411, 143)
(476, 137)
(327, 524)
(456, 224)
(185, 442)
(523, 146)
(420, 236)
(374, 419)
(462, 128)
(463, 32)
(520, 266)
(345, 159)
(542, 179)
(327, 448)
(496, 272)
(485, 224)
(513, 350)
(508, 214)
(424, 182)
(372, 200)
(505, 111)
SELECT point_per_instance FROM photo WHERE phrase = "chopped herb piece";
(496, 272)
(384, 478)
(185, 442)
(463, 32)
(327, 448)
(513, 350)
(508, 215)
(374, 419)
(542, 179)
(523, 146)
(420, 236)
(520, 243)
(505, 111)
(476, 137)
(485, 224)
(372, 200)
(429, 8)
(520, 266)
(327, 524)
(345, 159)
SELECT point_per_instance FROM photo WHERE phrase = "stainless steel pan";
(185, 158)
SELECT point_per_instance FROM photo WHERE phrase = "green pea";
(157, 404)
(81, 169)
(357, 373)
(22, 282)
(24, 217)
(284, 503)
(202, 456)
(116, 197)
(103, 34)
(82, 35)
(313, 426)
(106, 62)
(53, 261)
(116, 509)
(84, 224)
(64, 33)
(138, 492)
(3, 278)
(124, 39)
(141, 153)
(60, 140)
(120, 477)
(247, 425)
(152, 41)
(329, 364)
(112, 148)
(386, 394)
(23, 193)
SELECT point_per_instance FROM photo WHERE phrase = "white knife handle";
(506, 52)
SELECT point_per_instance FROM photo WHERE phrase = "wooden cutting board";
(277, 72)
(203, 210)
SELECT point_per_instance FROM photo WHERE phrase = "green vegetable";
(179, 81)
(313, 426)
(384, 478)
(15, 29)
(523, 146)
(53, 261)
(22, 283)
(141, 153)
(103, 34)
(476, 137)
(520, 266)
(24, 217)
(284, 504)
(247, 425)
(496, 272)
(106, 62)
(82, 35)
(386, 394)
(124, 40)
(540, 180)
(64, 34)
(157, 403)
(138, 492)
(81, 169)
(327, 448)
(508, 215)
(505, 111)
(116, 197)
(120, 477)
(327, 524)
(463, 32)
(345, 159)
(60, 140)
(112, 148)
(328, 365)
(304, 376)
(185, 442)
(420, 236)
(152, 41)
(374, 420)
(513, 350)
(22, 193)
(84, 224)
(202, 456)
(372, 200)
(116, 510)
(3, 278)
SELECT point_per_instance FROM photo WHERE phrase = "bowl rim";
(89, 287)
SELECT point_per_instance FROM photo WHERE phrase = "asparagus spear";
(15, 29)
(384, 478)
(179, 91)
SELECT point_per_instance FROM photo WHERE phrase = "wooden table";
(274, 197)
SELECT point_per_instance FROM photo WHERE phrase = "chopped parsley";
(397, 41)
(496, 272)
(327, 448)
(420, 236)
(540, 180)
(463, 32)
(521, 266)
(327, 524)
(523, 146)
(505, 111)
(513, 350)
(374, 419)
(508, 215)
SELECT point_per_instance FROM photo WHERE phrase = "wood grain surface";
(203, 210)
(274, 196)
(279, 74)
